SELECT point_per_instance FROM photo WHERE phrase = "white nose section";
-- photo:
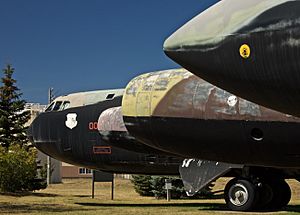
(199, 30)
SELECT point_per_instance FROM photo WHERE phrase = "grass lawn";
(73, 197)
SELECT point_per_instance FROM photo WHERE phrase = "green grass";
(73, 197)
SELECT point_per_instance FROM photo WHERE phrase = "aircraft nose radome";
(198, 32)
(183, 37)
(171, 43)
(33, 133)
(39, 134)
(195, 35)
(173, 48)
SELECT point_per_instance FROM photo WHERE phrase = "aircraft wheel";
(281, 194)
(274, 194)
(286, 193)
(265, 196)
(241, 195)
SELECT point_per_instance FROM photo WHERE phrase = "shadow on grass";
(292, 208)
(202, 206)
(215, 196)
(289, 208)
(82, 196)
(29, 208)
(29, 194)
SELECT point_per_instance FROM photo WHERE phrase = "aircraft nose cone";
(183, 38)
(174, 49)
(199, 31)
(172, 43)
(193, 42)
(232, 45)
(41, 136)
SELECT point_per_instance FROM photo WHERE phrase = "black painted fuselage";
(78, 142)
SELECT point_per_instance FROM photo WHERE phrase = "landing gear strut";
(267, 194)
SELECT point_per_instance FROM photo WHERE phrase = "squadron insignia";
(71, 121)
(245, 51)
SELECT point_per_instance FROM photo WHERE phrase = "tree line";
(19, 171)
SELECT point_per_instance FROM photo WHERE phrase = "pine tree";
(146, 185)
(12, 114)
(142, 184)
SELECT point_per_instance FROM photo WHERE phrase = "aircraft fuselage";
(72, 136)
(251, 49)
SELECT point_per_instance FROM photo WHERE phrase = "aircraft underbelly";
(230, 141)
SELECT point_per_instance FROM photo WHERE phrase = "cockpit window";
(65, 105)
(57, 106)
(110, 96)
(49, 108)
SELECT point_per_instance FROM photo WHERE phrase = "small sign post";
(93, 185)
(99, 176)
(168, 187)
(112, 188)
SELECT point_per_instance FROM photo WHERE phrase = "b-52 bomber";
(84, 129)
(177, 112)
(68, 131)
(249, 48)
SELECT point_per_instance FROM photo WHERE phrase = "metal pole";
(48, 157)
(168, 195)
(93, 184)
(112, 188)
(48, 170)
(168, 187)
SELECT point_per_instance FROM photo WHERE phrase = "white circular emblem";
(231, 101)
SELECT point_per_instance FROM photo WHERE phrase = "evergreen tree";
(18, 167)
(158, 186)
(142, 184)
(12, 114)
(146, 185)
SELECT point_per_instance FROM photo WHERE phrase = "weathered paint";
(209, 46)
(111, 120)
(194, 119)
(179, 93)
(147, 90)
(222, 19)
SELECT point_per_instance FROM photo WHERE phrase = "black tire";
(286, 194)
(241, 195)
(282, 194)
(265, 196)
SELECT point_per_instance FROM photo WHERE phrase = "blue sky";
(77, 45)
